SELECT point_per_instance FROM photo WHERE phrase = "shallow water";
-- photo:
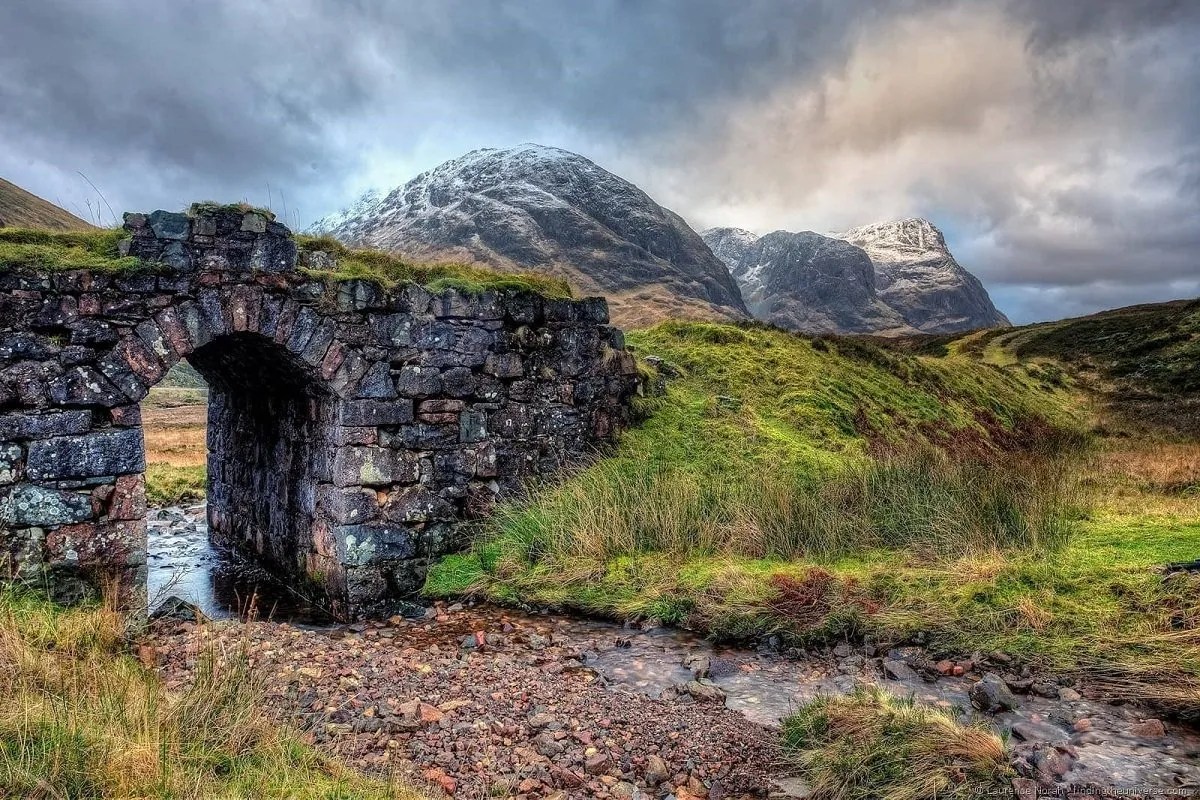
(764, 686)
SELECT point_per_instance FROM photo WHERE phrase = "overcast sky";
(1056, 142)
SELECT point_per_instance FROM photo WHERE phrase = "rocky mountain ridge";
(891, 278)
(535, 208)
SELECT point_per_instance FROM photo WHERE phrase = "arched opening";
(267, 422)
(265, 434)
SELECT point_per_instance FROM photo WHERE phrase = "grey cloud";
(1056, 137)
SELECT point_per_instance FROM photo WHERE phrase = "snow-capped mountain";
(535, 208)
(916, 274)
(889, 278)
(805, 281)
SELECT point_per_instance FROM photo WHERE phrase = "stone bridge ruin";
(352, 429)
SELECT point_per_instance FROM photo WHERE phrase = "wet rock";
(699, 663)
(705, 690)
(992, 695)
(899, 671)
(177, 608)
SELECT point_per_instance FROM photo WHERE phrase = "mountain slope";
(916, 275)
(805, 281)
(540, 208)
(21, 209)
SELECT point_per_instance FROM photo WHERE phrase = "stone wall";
(352, 429)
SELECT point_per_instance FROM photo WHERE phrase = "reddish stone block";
(174, 330)
(334, 357)
(140, 360)
(128, 498)
(126, 416)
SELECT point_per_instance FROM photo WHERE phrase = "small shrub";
(873, 746)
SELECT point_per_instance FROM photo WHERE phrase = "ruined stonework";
(352, 429)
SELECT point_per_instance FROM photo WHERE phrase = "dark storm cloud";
(1056, 141)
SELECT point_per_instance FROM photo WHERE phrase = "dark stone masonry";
(352, 429)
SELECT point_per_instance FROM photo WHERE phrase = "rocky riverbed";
(484, 701)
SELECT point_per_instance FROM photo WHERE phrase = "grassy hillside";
(20, 209)
(832, 487)
(1142, 363)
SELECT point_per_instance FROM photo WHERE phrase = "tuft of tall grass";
(80, 718)
(924, 501)
(871, 745)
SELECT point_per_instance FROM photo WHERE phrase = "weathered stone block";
(41, 425)
(356, 413)
(504, 365)
(168, 225)
(114, 452)
(358, 295)
(377, 382)
(440, 411)
(418, 381)
(127, 502)
(349, 504)
(416, 504)
(84, 386)
(370, 543)
(27, 504)
(373, 466)
(472, 426)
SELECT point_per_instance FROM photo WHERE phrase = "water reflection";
(183, 563)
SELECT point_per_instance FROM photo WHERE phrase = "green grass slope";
(1142, 363)
(20, 209)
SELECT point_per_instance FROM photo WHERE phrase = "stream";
(1080, 742)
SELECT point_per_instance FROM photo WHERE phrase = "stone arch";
(352, 427)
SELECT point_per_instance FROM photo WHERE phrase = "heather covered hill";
(21, 209)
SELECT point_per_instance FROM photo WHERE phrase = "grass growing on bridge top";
(390, 270)
(58, 251)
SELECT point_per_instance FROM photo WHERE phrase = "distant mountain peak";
(889, 277)
(539, 208)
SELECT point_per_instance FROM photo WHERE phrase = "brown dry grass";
(82, 718)
(1147, 477)
(175, 436)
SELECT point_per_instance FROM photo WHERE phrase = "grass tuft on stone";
(59, 251)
